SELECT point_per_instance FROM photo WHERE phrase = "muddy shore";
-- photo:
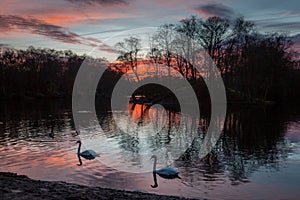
(13, 186)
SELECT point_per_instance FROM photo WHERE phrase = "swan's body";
(87, 154)
(166, 172)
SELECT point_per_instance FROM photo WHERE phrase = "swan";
(166, 172)
(87, 154)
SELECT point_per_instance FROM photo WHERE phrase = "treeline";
(38, 73)
(255, 67)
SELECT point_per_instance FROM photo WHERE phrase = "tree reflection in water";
(252, 137)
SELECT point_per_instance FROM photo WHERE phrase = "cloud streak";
(280, 25)
(107, 48)
(10, 23)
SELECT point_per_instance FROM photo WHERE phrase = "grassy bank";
(13, 186)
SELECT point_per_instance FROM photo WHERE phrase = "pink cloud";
(101, 2)
(70, 13)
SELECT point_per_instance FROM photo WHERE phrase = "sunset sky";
(81, 25)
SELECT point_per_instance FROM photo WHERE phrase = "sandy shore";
(13, 186)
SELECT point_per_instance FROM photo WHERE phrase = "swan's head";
(154, 156)
(78, 142)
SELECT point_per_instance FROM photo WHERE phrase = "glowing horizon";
(82, 25)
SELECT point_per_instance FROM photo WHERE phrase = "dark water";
(256, 157)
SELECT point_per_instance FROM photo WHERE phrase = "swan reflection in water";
(166, 172)
(79, 159)
(51, 134)
(87, 154)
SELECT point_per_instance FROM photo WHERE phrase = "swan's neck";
(78, 152)
(154, 164)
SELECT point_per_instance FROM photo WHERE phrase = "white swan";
(166, 172)
(87, 154)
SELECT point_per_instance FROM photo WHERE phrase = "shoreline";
(14, 186)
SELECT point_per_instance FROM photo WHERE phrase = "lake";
(256, 157)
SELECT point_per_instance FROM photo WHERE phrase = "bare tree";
(128, 51)
(188, 30)
(212, 35)
(164, 38)
(155, 52)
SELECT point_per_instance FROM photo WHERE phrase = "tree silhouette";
(255, 67)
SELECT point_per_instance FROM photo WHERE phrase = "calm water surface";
(256, 157)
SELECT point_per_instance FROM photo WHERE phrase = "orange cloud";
(60, 19)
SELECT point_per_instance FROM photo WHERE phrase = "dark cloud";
(4, 45)
(277, 24)
(214, 9)
(100, 2)
(35, 26)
